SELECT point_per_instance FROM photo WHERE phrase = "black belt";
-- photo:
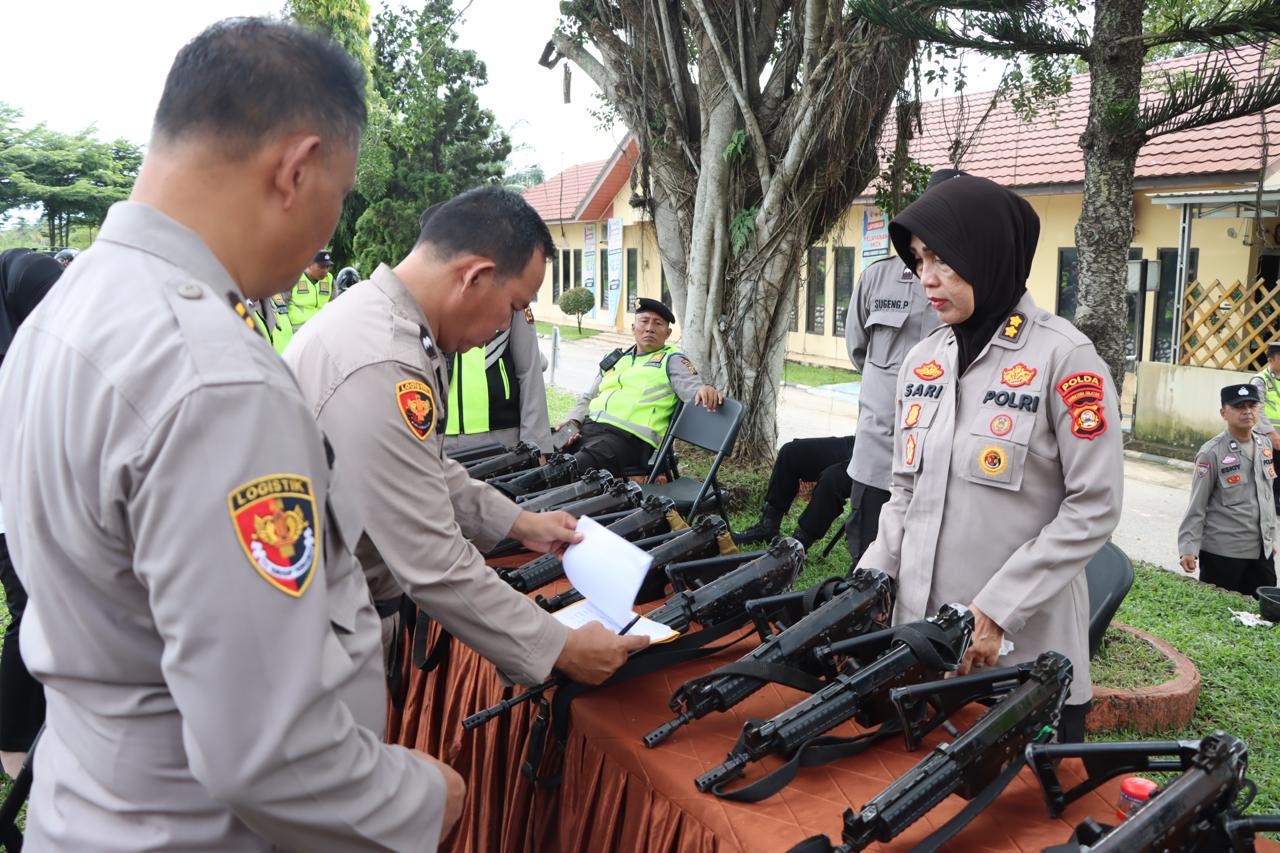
(390, 607)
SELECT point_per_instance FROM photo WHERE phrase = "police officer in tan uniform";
(205, 637)
(1008, 467)
(371, 367)
(1230, 524)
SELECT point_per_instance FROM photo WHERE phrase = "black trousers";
(823, 460)
(1071, 724)
(610, 449)
(864, 520)
(1239, 574)
(21, 696)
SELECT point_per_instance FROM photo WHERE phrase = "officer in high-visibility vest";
(271, 316)
(496, 392)
(622, 416)
(313, 290)
(1268, 384)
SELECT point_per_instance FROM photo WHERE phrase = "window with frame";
(632, 260)
(816, 315)
(602, 279)
(844, 287)
(555, 276)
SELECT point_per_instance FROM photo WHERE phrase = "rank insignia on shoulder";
(1083, 392)
(992, 460)
(418, 406)
(1018, 375)
(913, 415)
(1013, 327)
(928, 371)
(528, 315)
(1001, 425)
(275, 521)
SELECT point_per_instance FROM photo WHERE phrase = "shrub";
(577, 301)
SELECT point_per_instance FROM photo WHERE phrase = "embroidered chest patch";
(913, 415)
(1233, 479)
(418, 406)
(1018, 375)
(1001, 425)
(993, 460)
(928, 371)
(275, 520)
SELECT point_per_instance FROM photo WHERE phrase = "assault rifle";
(475, 454)
(861, 604)
(649, 518)
(915, 652)
(977, 765)
(591, 483)
(560, 469)
(621, 495)
(1195, 813)
(718, 606)
(682, 546)
(518, 457)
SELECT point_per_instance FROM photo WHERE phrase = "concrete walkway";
(1155, 494)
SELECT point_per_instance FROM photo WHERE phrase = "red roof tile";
(557, 199)
(1047, 151)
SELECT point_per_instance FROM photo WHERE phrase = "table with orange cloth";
(617, 795)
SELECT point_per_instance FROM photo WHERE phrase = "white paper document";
(584, 612)
(607, 570)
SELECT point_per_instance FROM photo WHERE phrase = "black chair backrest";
(1110, 575)
(715, 431)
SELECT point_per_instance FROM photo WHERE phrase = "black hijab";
(25, 277)
(988, 235)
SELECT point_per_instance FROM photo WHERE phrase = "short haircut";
(247, 81)
(489, 221)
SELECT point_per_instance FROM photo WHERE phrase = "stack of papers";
(608, 571)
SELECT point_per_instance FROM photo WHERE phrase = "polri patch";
(275, 520)
(1083, 392)
(418, 406)
(992, 460)
(928, 371)
(1018, 375)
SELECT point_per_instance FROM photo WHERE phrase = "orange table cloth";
(617, 795)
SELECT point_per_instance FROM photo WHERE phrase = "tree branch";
(1018, 30)
(1208, 96)
(759, 149)
(1231, 25)
(583, 58)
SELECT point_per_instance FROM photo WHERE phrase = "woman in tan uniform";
(1007, 470)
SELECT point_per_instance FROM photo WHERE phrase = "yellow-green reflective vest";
(636, 395)
(1271, 399)
(309, 297)
(284, 327)
(484, 390)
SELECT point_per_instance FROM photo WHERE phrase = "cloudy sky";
(72, 63)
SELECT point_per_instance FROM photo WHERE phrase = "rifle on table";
(560, 469)
(678, 546)
(519, 457)
(860, 604)
(649, 518)
(1195, 813)
(591, 483)
(718, 606)
(977, 765)
(915, 652)
(475, 454)
(621, 495)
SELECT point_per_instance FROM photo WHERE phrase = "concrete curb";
(1180, 464)
(1149, 709)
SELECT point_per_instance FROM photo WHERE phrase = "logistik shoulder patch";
(275, 521)
(418, 406)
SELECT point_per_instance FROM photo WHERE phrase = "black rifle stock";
(621, 495)
(537, 573)
(1195, 813)
(475, 454)
(517, 458)
(1028, 711)
(718, 604)
(864, 604)
(559, 470)
(916, 652)
(593, 482)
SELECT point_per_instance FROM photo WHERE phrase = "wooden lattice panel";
(1228, 326)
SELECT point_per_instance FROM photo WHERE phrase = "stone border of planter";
(1151, 709)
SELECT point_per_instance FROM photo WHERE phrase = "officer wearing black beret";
(621, 418)
(1230, 523)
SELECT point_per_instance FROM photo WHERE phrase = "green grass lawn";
(568, 332)
(796, 373)
(558, 404)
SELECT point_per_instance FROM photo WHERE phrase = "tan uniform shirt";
(376, 383)
(206, 641)
(888, 315)
(1231, 511)
(535, 426)
(1006, 482)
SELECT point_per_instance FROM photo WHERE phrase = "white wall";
(1179, 405)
